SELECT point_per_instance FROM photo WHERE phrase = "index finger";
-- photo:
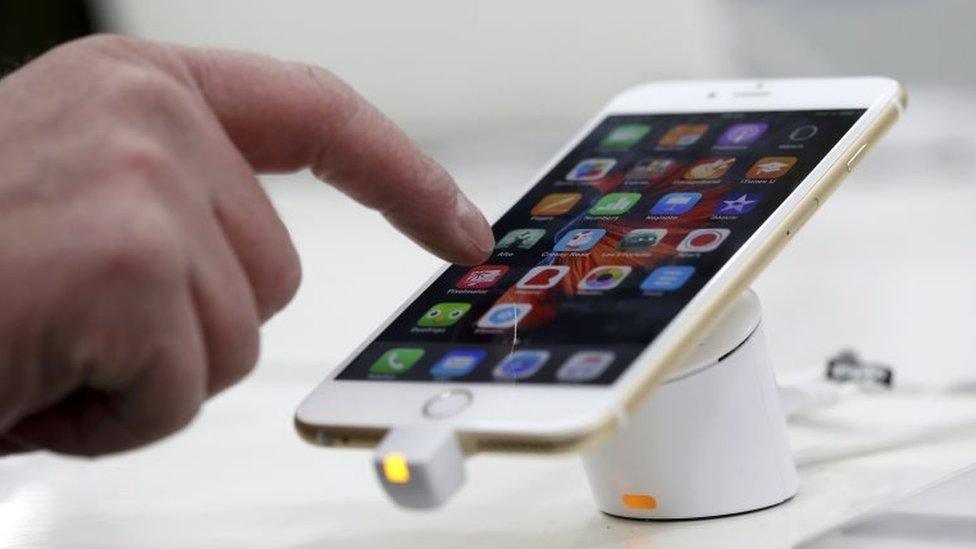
(287, 116)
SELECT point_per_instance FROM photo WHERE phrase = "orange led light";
(639, 501)
(395, 468)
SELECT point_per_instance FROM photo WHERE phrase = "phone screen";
(605, 250)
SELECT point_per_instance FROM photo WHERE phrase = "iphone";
(618, 257)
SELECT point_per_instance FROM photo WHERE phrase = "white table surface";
(886, 266)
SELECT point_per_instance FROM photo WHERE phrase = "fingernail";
(475, 228)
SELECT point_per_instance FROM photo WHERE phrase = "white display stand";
(710, 441)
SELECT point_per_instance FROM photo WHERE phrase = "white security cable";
(848, 377)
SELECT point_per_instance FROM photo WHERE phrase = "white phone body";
(545, 418)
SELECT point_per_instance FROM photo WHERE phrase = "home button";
(447, 403)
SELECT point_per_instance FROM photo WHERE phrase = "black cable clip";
(847, 367)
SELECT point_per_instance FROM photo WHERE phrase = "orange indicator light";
(639, 501)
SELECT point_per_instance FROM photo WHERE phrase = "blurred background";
(492, 88)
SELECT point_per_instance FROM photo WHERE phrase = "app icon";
(667, 278)
(579, 240)
(556, 204)
(742, 134)
(585, 365)
(676, 203)
(803, 133)
(683, 135)
(771, 167)
(709, 168)
(591, 169)
(444, 314)
(396, 361)
(641, 239)
(457, 363)
(625, 136)
(604, 278)
(520, 364)
(482, 276)
(651, 168)
(520, 238)
(703, 240)
(504, 315)
(615, 204)
(541, 278)
(738, 203)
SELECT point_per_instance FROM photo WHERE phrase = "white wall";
(921, 42)
(438, 65)
(442, 65)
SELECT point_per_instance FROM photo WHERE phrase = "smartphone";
(635, 238)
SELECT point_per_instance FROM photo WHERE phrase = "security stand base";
(710, 441)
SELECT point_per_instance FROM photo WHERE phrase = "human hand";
(138, 254)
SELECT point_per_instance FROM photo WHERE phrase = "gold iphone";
(618, 257)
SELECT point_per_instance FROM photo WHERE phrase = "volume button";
(856, 157)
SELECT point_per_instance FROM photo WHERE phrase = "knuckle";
(287, 279)
(107, 43)
(150, 90)
(138, 428)
(284, 279)
(232, 329)
(147, 252)
(341, 103)
(436, 183)
(123, 60)
(323, 79)
(100, 45)
(243, 347)
(136, 158)
(432, 189)
(179, 418)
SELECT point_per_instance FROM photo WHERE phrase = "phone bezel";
(558, 417)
